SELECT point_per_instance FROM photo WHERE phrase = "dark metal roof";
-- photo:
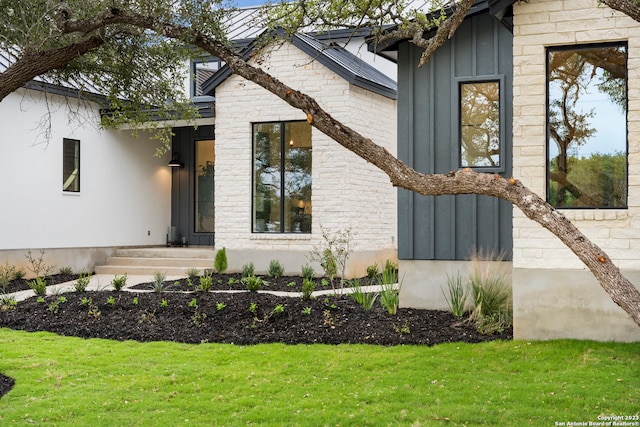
(348, 66)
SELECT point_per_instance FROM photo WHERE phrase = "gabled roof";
(345, 64)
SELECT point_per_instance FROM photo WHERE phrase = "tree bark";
(31, 65)
(630, 8)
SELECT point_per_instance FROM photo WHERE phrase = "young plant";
(457, 297)
(164, 303)
(18, 274)
(248, 269)
(389, 295)
(38, 267)
(278, 309)
(253, 283)
(7, 274)
(193, 303)
(308, 286)
(192, 273)
(119, 282)
(308, 272)
(111, 300)
(372, 271)
(220, 263)
(66, 270)
(220, 306)
(206, 282)
(253, 307)
(8, 302)
(333, 253)
(82, 282)
(491, 294)
(276, 270)
(365, 299)
(306, 311)
(159, 285)
(135, 301)
(39, 286)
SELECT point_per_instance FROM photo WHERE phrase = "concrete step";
(132, 270)
(148, 260)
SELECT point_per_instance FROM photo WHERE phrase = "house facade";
(545, 91)
(73, 189)
(252, 176)
(279, 183)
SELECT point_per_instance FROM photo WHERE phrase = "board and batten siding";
(451, 227)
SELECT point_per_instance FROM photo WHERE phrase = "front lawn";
(66, 381)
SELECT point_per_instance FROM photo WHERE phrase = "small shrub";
(192, 273)
(372, 271)
(220, 263)
(19, 274)
(119, 282)
(308, 286)
(248, 269)
(66, 270)
(82, 282)
(276, 269)
(253, 283)
(365, 299)
(308, 272)
(7, 274)
(39, 286)
(8, 302)
(457, 297)
(159, 285)
(206, 282)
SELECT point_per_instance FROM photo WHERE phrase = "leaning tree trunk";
(620, 289)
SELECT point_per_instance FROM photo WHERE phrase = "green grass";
(66, 381)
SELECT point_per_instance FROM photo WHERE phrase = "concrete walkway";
(102, 282)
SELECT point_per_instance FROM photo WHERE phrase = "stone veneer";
(553, 296)
(347, 191)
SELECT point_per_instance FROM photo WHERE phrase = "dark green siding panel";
(451, 227)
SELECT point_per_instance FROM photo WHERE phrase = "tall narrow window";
(282, 177)
(587, 126)
(71, 165)
(480, 124)
(205, 208)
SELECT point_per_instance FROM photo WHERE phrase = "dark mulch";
(223, 317)
(233, 281)
(23, 284)
(6, 384)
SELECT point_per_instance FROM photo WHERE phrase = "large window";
(480, 125)
(204, 200)
(282, 177)
(587, 126)
(71, 165)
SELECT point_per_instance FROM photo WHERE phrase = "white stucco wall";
(347, 192)
(125, 190)
(549, 300)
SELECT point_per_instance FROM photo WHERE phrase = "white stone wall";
(539, 24)
(347, 192)
(125, 190)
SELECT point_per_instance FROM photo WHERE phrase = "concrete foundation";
(547, 303)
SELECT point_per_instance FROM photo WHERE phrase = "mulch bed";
(183, 315)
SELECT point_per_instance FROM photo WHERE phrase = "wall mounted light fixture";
(175, 161)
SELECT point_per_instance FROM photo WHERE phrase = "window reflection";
(205, 207)
(480, 124)
(587, 142)
(282, 177)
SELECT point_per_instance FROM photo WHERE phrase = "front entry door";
(192, 191)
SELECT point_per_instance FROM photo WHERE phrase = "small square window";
(71, 165)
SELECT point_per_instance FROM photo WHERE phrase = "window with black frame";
(71, 165)
(587, 126)
(282, 177)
